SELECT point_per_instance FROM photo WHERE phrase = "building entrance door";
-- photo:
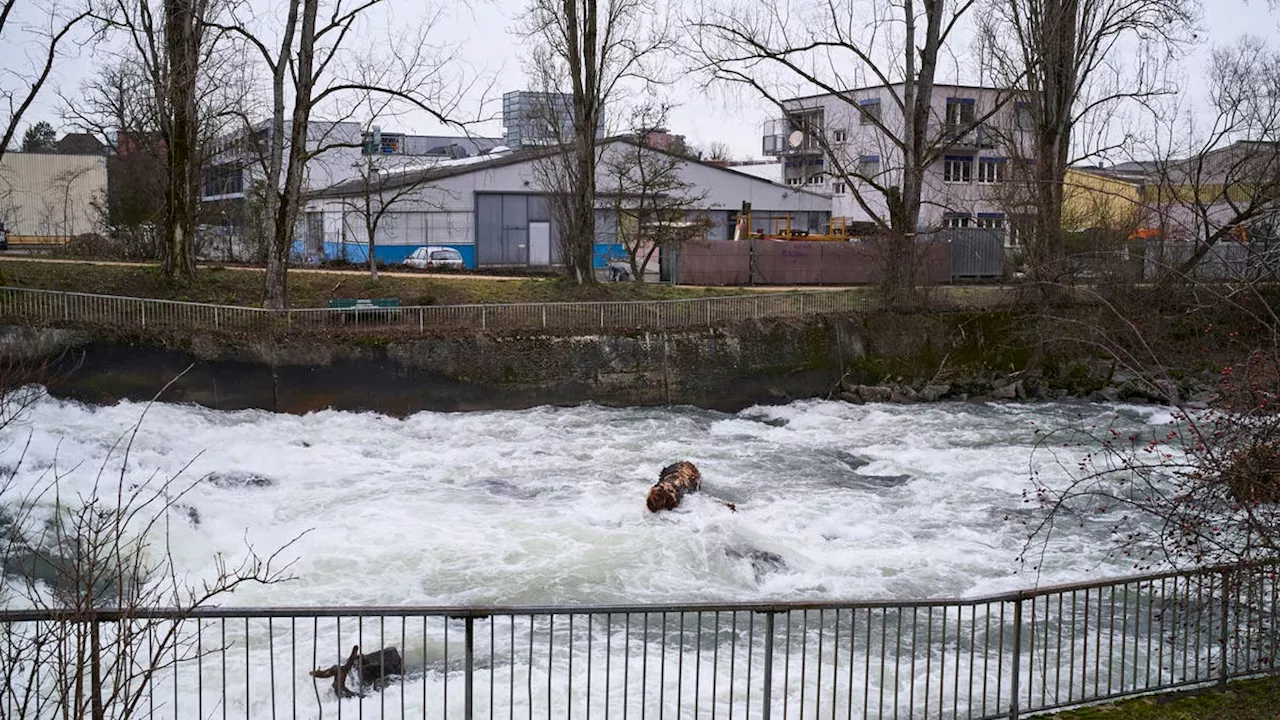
(539, 243)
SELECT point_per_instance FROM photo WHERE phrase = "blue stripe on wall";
(606, 252)
(394, 254)
(389, 254)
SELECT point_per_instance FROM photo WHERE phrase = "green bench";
(348, 303)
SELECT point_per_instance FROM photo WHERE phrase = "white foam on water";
(547, 505)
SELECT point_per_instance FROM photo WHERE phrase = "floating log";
(371, 670)
(674, 482)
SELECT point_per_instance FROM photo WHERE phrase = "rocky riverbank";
(1032, 385)
(861, 358)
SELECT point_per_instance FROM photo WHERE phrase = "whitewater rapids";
(546, 506)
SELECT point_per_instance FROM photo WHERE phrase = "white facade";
(48, 197)
(341, 151)
(976, 130)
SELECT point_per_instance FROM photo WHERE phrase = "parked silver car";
(433, 257)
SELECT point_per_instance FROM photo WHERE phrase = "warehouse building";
(495, 211)
(48, 198)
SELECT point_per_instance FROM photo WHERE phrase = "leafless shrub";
(83, 574)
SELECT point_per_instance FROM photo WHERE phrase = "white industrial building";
(981, 134)
(49, 198)
(494, 210)
(340, 151)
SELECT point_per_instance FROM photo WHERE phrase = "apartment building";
(978, 134)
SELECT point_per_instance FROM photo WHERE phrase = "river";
(546, 506)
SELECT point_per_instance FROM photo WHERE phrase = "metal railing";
(70, 308)
(992, 657)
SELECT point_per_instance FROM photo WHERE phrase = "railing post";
(708, 313)
(1016, 664)
(144, 315)
(1226, 618)
(468, 696)
(768, 665)
(483, 318)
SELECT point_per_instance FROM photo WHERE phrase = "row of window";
(955, 169)
(959, 169)
(960, 113)
(988, 221)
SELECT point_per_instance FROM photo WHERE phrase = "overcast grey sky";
(493, 50)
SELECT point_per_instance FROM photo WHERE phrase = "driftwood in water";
(674, 482)
(373, 670)
(339, 674)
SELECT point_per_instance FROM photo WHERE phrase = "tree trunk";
(183, 24)
(917, 99)
(275, 287)
(1056, 96)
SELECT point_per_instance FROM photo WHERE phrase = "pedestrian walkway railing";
(70, 308)
(992, 657)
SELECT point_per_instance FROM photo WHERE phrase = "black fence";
(990, 657)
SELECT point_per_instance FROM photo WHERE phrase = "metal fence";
(70, 308)
(975, 252)
(991, 657)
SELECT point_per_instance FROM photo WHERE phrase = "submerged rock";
(763, 562)
(236, 478)
(190, 512)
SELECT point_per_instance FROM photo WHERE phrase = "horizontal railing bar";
(465, 306)
(481, 611)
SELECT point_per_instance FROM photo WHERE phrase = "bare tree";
(98, 563)
(1218, 182)
(308, 71)
(117, 105)
(593, 48)
(383, 188)
(718, 151)
(1075, 64)
(655, 208)
(835, 47)
(48, 28)
(170, 46)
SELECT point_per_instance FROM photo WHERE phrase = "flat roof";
(881, 86)
(448, 169)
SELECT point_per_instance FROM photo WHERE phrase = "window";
(870, 111)
(957, 169)
(990, 221)
(817, 179)
(839, 136)
(837, 188)
(1022, 119)
(992, 170)
(960, 112)
(957, 220)
(869, 165)
(381, 143)
(795, 181)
